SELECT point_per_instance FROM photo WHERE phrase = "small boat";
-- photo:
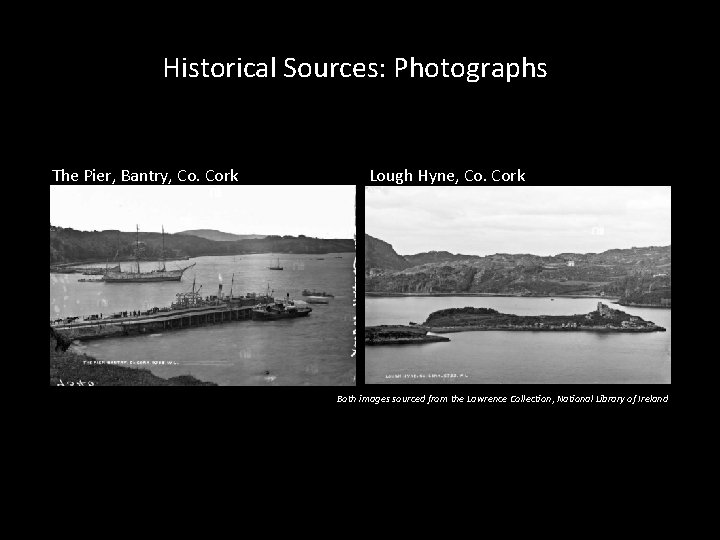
(552, 299)
(320, 259)
(316, 293)
(317, 300)
(413, 323)
(277, 266)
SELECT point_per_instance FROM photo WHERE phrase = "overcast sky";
(482, 220)
(319, 211)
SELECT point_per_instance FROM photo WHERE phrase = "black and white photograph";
(202, 285)
(517, 284)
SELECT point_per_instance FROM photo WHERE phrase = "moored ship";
(317, 300)
(161, 274)
(306, 292)
(281, 309)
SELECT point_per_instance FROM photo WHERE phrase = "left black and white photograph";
(202, 285)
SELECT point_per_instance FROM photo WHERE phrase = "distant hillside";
(638, 275)
(219, 236)
(69, 245)
(379, 254)
(436, 256)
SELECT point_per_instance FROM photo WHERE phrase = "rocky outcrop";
(424, 279)
(71, 369)
(399, 335)
(381, 255)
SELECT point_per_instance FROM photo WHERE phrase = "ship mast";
(231, 284)
(137, 247)
(163, 248)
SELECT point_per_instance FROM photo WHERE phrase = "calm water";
(517, 357)
(308, 351)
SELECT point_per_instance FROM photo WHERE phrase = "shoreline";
(399, 335)
(406, 341)
(69, 368)
(453, 329)
(502, 295)
(187, 258)
(642, 305)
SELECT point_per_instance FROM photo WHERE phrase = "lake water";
(313, 350)
(517, 357)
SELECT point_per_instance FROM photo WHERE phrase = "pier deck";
(162, 320)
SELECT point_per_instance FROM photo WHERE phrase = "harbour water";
(313, 350)
(517, 357)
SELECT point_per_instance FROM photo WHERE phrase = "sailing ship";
(161, 274)
(277, 266)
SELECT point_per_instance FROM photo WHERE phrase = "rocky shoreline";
(68, 368)
(630, 304)
(500, 295)
(603, 319)
(399, 335)
(451, 329)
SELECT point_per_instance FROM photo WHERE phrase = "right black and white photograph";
(517, 284)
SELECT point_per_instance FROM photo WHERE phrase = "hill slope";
(219, 236)
(379, 254)
(437, 256)
(638, 275)
(69, 245)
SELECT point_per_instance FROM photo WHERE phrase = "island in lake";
(603, 319)
(469, 319)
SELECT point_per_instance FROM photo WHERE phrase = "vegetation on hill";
(436, 257)
(633, 273)
(212, 234)
(487, 319)
(70, 245)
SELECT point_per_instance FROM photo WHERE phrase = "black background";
(593, 121)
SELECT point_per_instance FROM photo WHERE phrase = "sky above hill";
(482, 220)
(318, 211)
